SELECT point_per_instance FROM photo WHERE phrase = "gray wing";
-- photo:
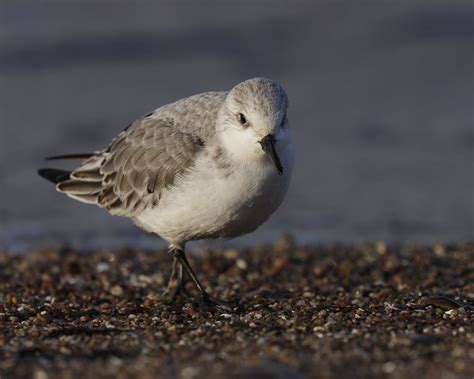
(134, 170)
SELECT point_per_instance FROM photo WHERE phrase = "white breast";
(211, 202)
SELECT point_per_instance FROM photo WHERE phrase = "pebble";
(116, 291)
(320, 311)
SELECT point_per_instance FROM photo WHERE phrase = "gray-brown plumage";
(145, 158)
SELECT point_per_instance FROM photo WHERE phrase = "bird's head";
(253, 122)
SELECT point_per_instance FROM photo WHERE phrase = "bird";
(215, 165)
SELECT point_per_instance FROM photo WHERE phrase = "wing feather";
(134, 170)
(143, 160)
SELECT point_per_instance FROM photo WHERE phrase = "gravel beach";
(360, 311)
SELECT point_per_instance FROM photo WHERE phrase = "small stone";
(240, 263)
(381, 247)
(116, 290)
(439, 250)
(231, 254)
(389, 367)
(40, 374)
(190, 372)
(102, 267)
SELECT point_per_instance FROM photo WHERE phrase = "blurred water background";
(381, 105)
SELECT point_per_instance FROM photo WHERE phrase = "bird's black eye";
(242, 119)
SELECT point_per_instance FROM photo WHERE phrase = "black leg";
(205, 297)
(181, 257)
(182, 281)
(177, 268)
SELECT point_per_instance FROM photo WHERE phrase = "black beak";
(268, 146)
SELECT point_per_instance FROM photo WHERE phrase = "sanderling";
(213, 165)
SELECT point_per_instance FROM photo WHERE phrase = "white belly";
(208, 203)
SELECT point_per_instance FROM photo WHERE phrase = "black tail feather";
(70, 156)
(54, 175)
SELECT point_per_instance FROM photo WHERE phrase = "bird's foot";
(173, 295)
(210, 301)
(181, 263)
